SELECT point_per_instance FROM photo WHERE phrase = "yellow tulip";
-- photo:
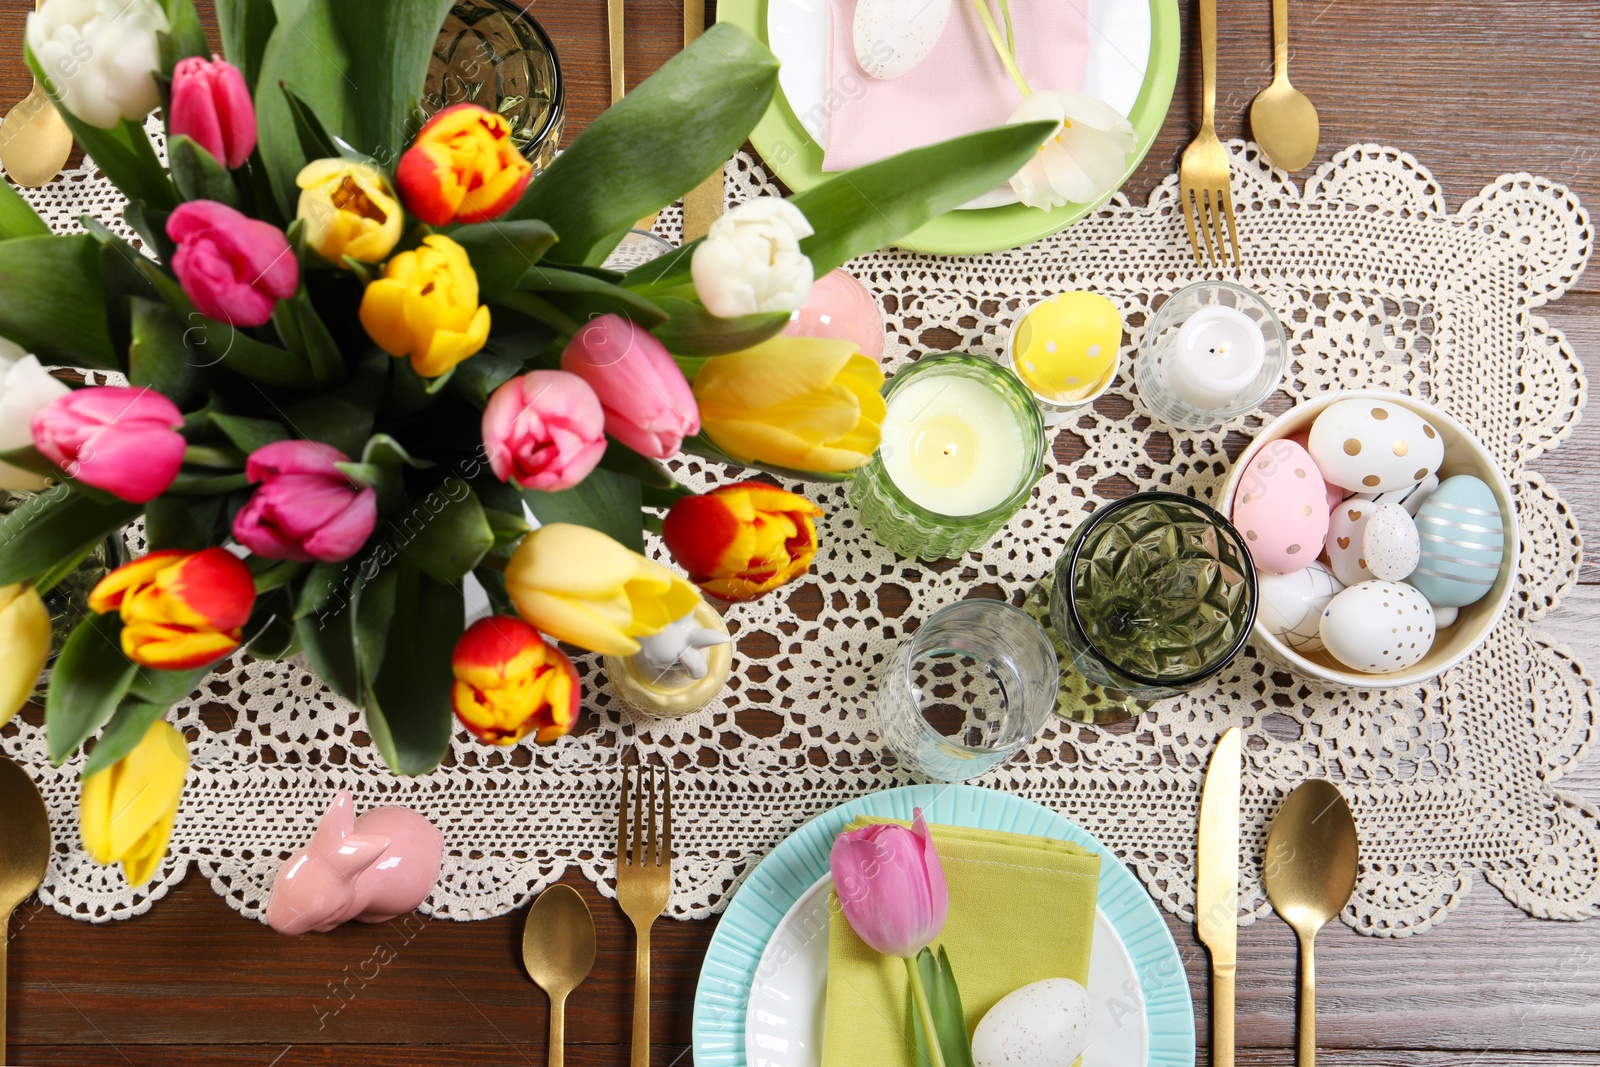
(426, 306)
(24, 646)
(349, 209)
(127, 810)
(580, 586)
(804, 403)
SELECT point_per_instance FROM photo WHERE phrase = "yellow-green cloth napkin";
(1021, 910)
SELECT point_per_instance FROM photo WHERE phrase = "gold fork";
(644, 885)
(1205, 171)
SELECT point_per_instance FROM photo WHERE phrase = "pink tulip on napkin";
(959, 89)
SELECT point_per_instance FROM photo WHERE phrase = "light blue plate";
(780, 879)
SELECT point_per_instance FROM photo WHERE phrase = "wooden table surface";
(1473, 90)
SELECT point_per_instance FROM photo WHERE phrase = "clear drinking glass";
(968, 690)
(1151, 371)
(1156, 593)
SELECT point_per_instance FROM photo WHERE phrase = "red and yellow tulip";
(741, 541)
(127, 811)
(180, 610)
(511, 682)
(462, 168)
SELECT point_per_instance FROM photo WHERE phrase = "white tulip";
(100, 56)
(751, 261)
(1083, 160)
(24, 389)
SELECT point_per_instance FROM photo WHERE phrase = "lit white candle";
(1216, 356)
(953, 445)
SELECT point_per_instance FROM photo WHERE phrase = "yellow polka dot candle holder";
(1067, 349)
(1212, 352)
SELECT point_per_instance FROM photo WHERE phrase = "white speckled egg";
(1281, 508)
(1372, 446)
(1379, 627)
(1463, 542)
(1346, 529)
(1045, 1024)
(1412, 497)
(1389, 544)
(1290, 606)
(891, 38)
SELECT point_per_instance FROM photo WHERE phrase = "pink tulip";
(211, 104)
(306, 507)
(544, 430)
(648, 403)
(123, 440)
(891, 886)
(234, 268)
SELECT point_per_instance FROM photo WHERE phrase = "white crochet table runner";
(1379, 285)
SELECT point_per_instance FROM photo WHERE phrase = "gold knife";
(1216, 906)
(619, 83)
(702, 205)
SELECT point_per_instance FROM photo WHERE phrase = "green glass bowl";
(1157, 592)
(789, 149)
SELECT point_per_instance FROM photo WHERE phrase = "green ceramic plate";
(796, 158)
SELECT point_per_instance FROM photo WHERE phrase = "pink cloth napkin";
(960, 88)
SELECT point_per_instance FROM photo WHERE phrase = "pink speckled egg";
(840, 307)
(1282, 508)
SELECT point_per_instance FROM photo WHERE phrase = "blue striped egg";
(1463, 542)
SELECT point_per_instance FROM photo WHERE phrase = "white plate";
(783, 1024)
(1119, 54)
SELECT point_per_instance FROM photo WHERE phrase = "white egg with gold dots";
(1378, 627)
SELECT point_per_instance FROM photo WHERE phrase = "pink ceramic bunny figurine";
(371, 869)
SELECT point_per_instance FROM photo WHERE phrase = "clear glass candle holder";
(1156, 593)
(1155, 373)
(908, 528)
(967, 691)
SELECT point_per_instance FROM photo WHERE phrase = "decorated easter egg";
(1389, 544)
(1045, 1024)
(1373, 446)
(1281, 508)
(1336, 494)
(1411, 497)
(1065, 346)
(1463, 542)
(1445, 617)
(1290, 606)
(892, 37)
(841, 308)
(1378, 627)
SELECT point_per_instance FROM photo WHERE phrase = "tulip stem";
(919, 993)
(211, 456)
(1000, 47)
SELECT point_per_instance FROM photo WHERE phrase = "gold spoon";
(1282, 119)
(34, 142)
(24, 854)
(558, 951)
(1311, 861)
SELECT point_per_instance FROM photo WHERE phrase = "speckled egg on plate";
(1282, 508)
(1373, 446)
(1389, 544)
(1045, 1024)
(1378, 627)
(1463, 542)
(1290, 606)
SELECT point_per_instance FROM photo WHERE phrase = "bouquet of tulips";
(364, 344)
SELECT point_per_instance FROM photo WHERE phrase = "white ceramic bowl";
(1463, 454)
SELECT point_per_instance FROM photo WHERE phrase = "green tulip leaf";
(270, 634)
(620, 459)
(508, 529)
(501, 252)
(52, 302)
(89, 679)
(184, 37)
(944, 999)
(581, 297)
(408, 704)
(158, 357)
(691, 330)
(326, 635)
(315, 141)
(322, 584)
(17, 217)
(187, 522)
(249, 434)
(445, 532)
(129, 723)
(55, 525)
(494, 586)
(199, 174)
(373, 599)
(660, 141)
(245, 26)
(305, 334)
(165, 687)
(343, 417)
(389, 58)
(386, 451)
(476, 379)
(605, 501)
(305, 52)
(123, 152)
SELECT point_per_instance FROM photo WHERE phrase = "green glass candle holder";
(1156, 593)
(911, 529)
